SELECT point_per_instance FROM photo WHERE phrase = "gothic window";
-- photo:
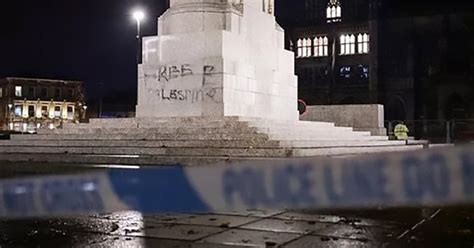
(320, 46)
(333, 11)
(363, 43)
(348, 44)
(299, 52)
(304, 48)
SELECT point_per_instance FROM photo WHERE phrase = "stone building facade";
(28, 104)
(414, 59)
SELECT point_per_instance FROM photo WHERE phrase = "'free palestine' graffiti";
(187, 95)
(167, 73)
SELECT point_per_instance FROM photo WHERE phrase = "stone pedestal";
(215, 58)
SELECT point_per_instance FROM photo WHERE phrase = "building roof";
(41, 80)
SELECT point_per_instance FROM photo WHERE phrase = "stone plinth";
(360, 117)
(217, 58)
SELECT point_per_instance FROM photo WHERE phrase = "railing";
(438, 131)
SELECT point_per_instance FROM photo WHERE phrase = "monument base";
(192, 141)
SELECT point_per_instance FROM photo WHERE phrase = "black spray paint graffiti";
(168, 73)
(192, 96)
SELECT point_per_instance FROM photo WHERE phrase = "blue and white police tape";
(422, 178)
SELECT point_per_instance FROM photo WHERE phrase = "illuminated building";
(28, 104)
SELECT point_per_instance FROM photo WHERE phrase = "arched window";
(304, 48)
(333, 11)
(320, 46)
(308, 47)
(299, 52)
(348, 44)
(363, 43)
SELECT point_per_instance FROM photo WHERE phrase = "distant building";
(28, 104)
(415, 59)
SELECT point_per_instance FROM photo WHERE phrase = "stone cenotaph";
(216, 58)
(216, 84)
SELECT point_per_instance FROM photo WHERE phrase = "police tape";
(422, 178)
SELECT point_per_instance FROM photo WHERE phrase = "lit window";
(57, 111)
(70, 112)
(300, 48)
(18, 110)
(363, 43)
(320, 46)
(18, 91)
(333, 11)
(304, 48)
(348, 44)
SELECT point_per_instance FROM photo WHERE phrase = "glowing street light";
(139, 16)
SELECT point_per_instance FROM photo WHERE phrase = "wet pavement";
(369, 228)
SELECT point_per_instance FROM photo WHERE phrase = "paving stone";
(317, 242)
(122, 215)
(356, 232)
(290, 226)
(224, 221)
(251, 238)
(308, 216)
(167, 231)
(252, 213)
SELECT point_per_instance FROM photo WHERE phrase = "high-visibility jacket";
(401, 132)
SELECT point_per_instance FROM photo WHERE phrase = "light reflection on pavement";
(245, 229)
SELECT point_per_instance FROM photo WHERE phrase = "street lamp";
(138, 15)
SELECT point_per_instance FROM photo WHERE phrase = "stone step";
(207, 130)
(83, 160)
(197, 143)
(202, 136)
(144, 143)
(131, 125)
(353, 143)
(152, 151)
(338, 151)
(299, 125)
(326, 137)
(164, 130)
(284, 122)
(207, 152)
(313, 134)
(156, 136)
(196, 120)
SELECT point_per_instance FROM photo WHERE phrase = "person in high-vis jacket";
(401, 131)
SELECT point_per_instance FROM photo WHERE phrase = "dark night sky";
(87, 40)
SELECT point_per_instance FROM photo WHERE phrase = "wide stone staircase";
(191, 141)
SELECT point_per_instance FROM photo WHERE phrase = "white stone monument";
(215, 58)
